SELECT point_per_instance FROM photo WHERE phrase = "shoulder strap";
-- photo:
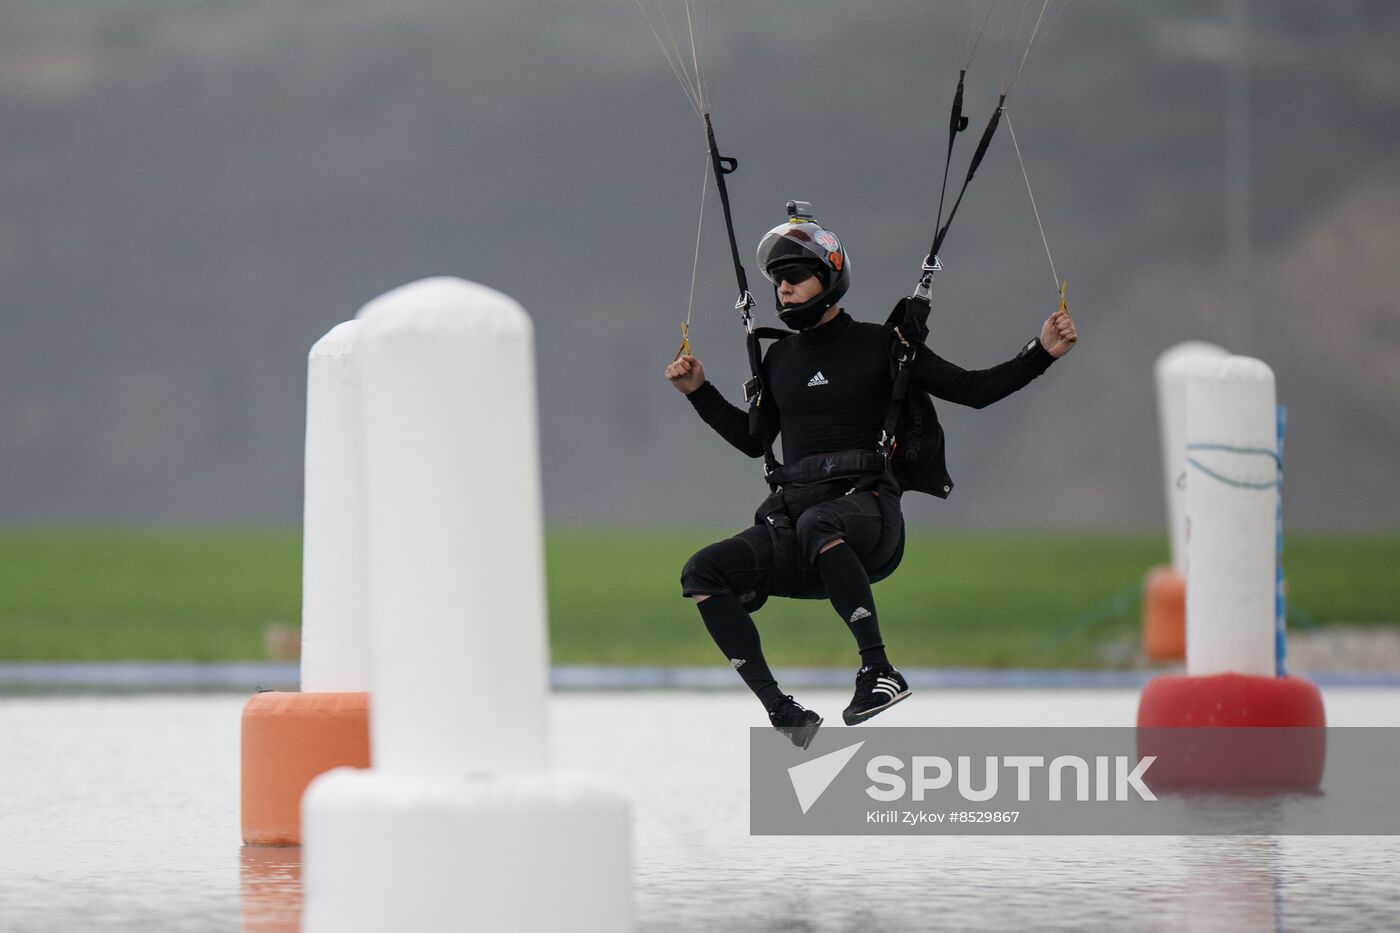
(908, 324)
(754, 390)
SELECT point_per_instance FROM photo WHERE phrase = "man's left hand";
(1058, 336)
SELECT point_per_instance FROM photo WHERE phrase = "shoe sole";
(852, 719)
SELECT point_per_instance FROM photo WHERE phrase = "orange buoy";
(1164, 614)
(288, 739)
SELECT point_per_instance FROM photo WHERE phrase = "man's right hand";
(687, 374)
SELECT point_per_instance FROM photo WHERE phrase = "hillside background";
(191, 193)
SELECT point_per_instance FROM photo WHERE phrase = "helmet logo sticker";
(828, 239)
(835, 260)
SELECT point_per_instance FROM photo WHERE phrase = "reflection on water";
(270, 888)
(121, 814)
(1237, 887)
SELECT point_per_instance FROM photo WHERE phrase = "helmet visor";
(790, 244)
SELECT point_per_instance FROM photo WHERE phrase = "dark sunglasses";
(792, 274)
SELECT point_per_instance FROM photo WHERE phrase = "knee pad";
(707, 572)
(814, 528)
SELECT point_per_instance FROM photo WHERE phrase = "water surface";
(121, 813)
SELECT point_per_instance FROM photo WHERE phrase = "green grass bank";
(981, 600)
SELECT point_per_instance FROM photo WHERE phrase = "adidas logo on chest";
(817, 380)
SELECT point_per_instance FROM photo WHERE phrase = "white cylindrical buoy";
(1233, 677)
(1232, 489)
(1164, 587)
(455, 531)
(458, 825)
(1172, 371)
(289, 738)
(524, 853)
(334, 611)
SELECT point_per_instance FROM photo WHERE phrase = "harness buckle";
(753, 391)
(930, 265)
(745, 305)
(909, 349)
(886, 446)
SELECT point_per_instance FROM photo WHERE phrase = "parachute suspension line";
(680, 57)
(695, 60)
(1011, 37)
(1037, 35)
(695, 264)
(1012, 130)
(1030, 44)
(967, 62)
(674, 58)
(1037, 39)
(1060, 284)
(691, 77)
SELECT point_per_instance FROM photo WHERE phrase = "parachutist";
(832, 524)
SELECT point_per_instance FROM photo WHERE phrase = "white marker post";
(1164, 588)
(458, 824)
(334, 611)
(1232, 680)
(289, 738)
(455, 532)
(1173, 371)
(1232, 488)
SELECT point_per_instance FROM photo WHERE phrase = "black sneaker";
(794, 721)
(877, 689)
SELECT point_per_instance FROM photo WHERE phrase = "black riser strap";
(956, 124)
(977, 156)
(722, 167)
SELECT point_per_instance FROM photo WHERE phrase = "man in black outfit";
(834, 525)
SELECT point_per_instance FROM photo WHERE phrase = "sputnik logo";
(811, 778)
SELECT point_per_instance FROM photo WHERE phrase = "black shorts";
(777, 555)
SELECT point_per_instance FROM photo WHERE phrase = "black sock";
(733, 630)
(848, 586)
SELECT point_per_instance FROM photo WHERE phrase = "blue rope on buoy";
(1238, 483)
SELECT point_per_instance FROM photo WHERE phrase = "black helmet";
(801, 241)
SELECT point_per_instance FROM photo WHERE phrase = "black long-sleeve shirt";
(828, 388)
